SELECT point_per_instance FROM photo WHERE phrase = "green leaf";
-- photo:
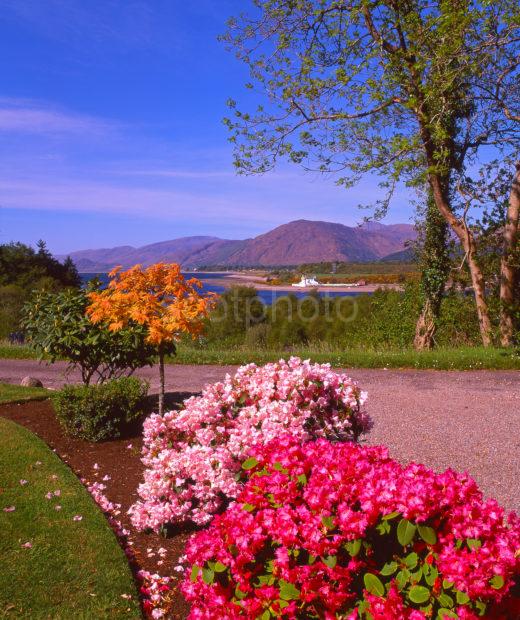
(427, 534)
(402, 578)
(249, 463)
(288, 591)
(446, 613)
(496, 582)
(473, 543)
(239, 594)
(416, 576)
(330, 561)
(266, 615)
(328, 522)
(419, 594)
(447, 584)
(248, 507)
(389, 568)
(411, 560)
(462, 598)
(207, 575)
(405, 532)
(445, 600)
(392, 515)
(353, 547)
(194, 572)
(373, 584)
(302, 479)
(218, 567)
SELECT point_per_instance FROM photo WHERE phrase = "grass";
(16, 352)
(74, 569)
(468, 358)
(460, 358)
(17, 394)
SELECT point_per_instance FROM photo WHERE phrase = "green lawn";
(462, 358)
(16, 393)
(73, 569)
(469, 358)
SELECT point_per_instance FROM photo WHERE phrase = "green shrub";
(98, 412)
(56, 327)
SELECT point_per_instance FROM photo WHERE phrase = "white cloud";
(32, 117)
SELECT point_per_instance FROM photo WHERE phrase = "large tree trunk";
(425, 328)
(468, 244)
(434, 271)
(508, 272)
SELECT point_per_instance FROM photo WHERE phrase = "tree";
(435, 263)
(23, 271)
(160, 299)
(509, 262)
(411, 91)
(57, 327)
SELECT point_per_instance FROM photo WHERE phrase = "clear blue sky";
(111, 129)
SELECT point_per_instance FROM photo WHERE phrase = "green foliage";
(238, 309)
(399, 90)
(23, 270)
(57, 328)
(22, 265)
(12, 299)
(99, 412)
(382, 320)
(74, 569)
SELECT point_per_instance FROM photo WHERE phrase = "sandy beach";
(260, 283)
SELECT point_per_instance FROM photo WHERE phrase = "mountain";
(301, 241)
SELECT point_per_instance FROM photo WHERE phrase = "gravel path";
(465, 420)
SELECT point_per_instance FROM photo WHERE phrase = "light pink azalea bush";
(328, 530)
(193, 456)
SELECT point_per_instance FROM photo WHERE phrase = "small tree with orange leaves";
(159, 298)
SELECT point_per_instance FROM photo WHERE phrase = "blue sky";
(111, 130)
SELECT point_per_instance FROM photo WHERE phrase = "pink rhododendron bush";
(336, 530)
(193, 456)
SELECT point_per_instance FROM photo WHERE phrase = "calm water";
(207, 279)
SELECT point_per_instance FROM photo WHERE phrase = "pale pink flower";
(9, 509)
(27, 545)
(77, 518)
(57, 507)
(24, 482)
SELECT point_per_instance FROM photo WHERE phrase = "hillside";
(301, 241)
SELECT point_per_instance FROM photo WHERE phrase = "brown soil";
(123, 465)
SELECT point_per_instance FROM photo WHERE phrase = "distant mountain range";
(301, 241)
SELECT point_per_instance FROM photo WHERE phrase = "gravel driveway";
(465, 420)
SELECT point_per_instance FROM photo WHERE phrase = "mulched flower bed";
(119, 459)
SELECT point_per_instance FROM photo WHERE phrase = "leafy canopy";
(158, 298)
(395, 89)
(57, 327)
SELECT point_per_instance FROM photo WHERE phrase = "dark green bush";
(98, 412)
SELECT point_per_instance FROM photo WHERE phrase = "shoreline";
(260, 284)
